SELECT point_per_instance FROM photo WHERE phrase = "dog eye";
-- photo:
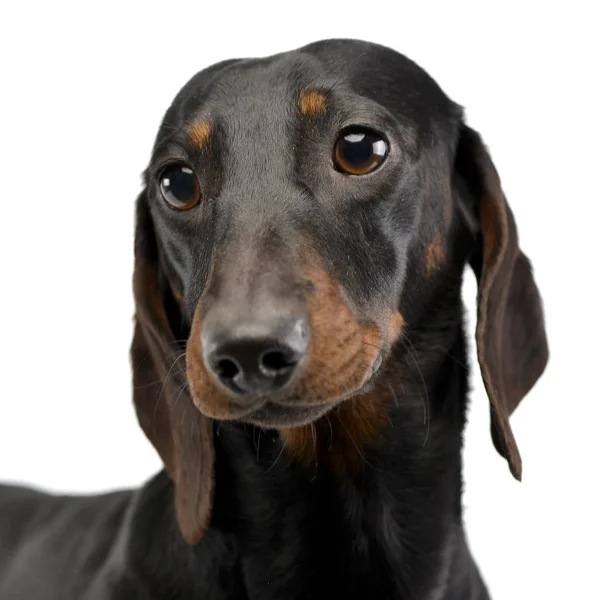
(359, 151)
(179, 187)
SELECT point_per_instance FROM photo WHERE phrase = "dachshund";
(299, 358)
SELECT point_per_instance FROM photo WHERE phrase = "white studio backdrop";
(84, 86)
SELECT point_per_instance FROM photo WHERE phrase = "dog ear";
(179, 432)
(511, 339)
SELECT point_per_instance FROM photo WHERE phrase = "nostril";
(255, 358)
(226, 368)
(276, 361)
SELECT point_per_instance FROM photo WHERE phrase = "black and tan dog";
(299, 355)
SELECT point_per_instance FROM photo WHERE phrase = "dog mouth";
(270, 413)
(274, 416)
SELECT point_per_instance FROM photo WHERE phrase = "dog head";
(299, 213)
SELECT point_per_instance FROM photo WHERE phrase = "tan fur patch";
(436, 255)
(312, 103)
(200, 135)
(395, 327)
(341, 439)
(341, 359)
(342, 351)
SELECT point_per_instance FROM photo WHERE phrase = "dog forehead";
(347, 69)
(386, 76)
(251, 90)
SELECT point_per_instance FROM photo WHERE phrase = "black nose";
(255, 359)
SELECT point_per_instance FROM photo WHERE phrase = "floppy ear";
(179, 432)
(511, 338)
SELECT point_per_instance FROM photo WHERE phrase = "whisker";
(157, 381)
(394, 395)
(376, 346)
(277, 459)
(330, 433)
(183, 386)
(353, 442)
(314, 436)
(169, 372)
(457, 361)
(426, 411)
(258, 444)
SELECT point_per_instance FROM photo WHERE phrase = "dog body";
(287, 538)
(301, 240)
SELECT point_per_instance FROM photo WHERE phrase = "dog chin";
(277, 416)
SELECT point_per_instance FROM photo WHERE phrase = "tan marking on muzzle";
(396, 324)
(207, 395)
(342, 350)
(341, 359)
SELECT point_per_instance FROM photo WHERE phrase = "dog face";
(289, 241)
(300, 213)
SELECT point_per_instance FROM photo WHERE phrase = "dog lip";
(376, 364)
(244, 412)
(272, 415)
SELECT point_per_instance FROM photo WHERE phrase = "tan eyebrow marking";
(312, 103)
(200, 135)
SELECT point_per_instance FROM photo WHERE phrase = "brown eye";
(359, 151)
(179, 187)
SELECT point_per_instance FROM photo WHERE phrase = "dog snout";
(258, 357)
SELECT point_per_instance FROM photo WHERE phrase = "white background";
(84, 87)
